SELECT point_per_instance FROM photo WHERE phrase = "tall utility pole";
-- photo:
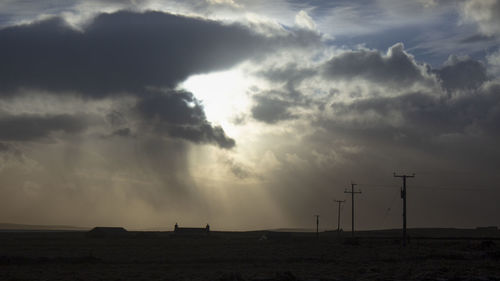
(338, 219)
(317, 225)
(403, 195)
(352, 196)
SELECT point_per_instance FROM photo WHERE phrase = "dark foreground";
(242, 256)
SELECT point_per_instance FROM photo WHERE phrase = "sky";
(249, 114)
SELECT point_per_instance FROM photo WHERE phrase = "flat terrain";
(243, 256)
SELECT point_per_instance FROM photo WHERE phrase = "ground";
(243, 256)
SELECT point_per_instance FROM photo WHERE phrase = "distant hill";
(484, 232)
(28, 227)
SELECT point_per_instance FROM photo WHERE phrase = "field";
(244, 256)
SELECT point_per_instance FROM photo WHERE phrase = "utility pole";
(352, 196)
(317, 225)
(338, 219)
(403, 195)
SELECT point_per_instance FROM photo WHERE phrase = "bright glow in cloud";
(302, 19)
(222, 2)
(223, 95)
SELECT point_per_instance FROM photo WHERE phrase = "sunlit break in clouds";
(249, 114)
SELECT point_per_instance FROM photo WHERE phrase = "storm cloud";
(396, 68)
(179, 114)
(34, 127)
(462, 73)
(423, 114)
(123, 52)
(129, 53)
(119, 52)
(271, 109)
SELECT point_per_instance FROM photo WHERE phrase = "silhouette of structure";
(403, 195)
(102, 232)
(352, 196)
(338, 218)
(191, 231)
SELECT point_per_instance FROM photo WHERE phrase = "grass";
(241, 256)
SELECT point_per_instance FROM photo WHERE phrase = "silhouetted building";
(100, 232)
(191, 231)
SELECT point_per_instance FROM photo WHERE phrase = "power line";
(317, 225)
(352, 212)
(403, 195)
(338, 219)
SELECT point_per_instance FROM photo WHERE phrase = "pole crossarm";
(404, 176)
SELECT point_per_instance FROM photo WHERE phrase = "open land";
(258, 255)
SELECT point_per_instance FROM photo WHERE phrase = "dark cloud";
(397, 68)
(30, 127)
(128, 53)
(277, 105)
(10, 153)
(123, 52)
(238, 169)
(179, 114)
(291, 72)
(271, 109)
(6, 148)
(426, 123)
(118, 52)
(124, 132)
(430, 115)
(462, 73)
(116, 119)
